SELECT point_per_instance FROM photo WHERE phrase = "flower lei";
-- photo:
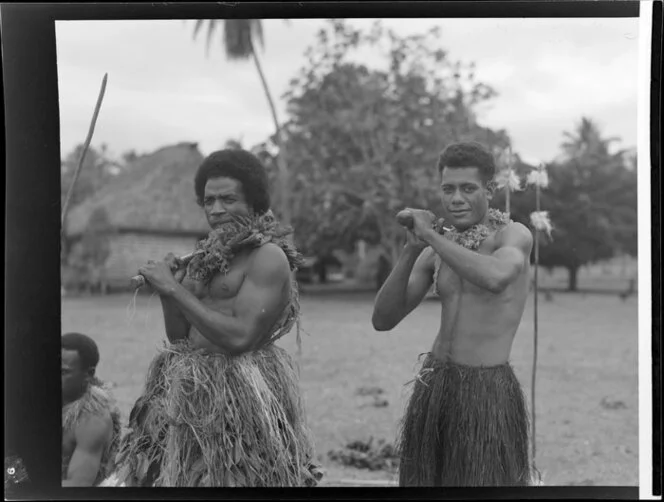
(472, 237)
(248, 232)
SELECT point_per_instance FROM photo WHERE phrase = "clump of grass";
(378, 456)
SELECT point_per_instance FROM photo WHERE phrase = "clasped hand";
(163, 275)
(422, 224)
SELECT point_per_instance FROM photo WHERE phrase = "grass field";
(587, 410)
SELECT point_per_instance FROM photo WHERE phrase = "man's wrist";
(172, 290)
(413, 249)
(428, 235)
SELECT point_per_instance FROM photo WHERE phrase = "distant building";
(151, 210)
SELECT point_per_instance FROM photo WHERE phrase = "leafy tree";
(363, 142)
(591, 200)
(97, 169)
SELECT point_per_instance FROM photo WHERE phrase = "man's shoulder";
(94, 426)
(515, 233)
(269, 259)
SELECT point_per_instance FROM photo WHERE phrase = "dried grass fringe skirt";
(464, 426)
(218, 421)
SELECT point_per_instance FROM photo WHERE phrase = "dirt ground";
(587, 375)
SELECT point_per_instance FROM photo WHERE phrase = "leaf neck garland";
(249, 232)
(472, 237)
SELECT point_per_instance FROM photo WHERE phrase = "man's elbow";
(239, 346)
(498, 284)
(381, 323)
(244, 340)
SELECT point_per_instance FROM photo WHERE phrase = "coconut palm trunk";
(281, 144)
(238, 41)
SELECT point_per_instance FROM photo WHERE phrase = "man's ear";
(90, 374)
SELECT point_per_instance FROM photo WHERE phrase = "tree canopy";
(363, 142)
(591, 200)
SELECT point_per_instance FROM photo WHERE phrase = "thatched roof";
(156, 193)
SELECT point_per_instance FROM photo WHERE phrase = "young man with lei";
(222, 406)
(466, 423)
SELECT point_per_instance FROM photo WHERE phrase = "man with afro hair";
(222, 405)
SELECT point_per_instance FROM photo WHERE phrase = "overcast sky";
(162, 88)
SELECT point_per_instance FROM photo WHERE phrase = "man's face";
(74, 377)
(223, 199)
(465, 196)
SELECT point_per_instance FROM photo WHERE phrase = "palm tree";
(238, 37)
(586, 139)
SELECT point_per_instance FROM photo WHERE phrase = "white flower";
(538, 177)
(509, 179)
(540, 220)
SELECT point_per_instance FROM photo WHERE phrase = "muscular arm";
(257, 307)
(490, 272)
(91, 438)
(404, 288)
(177, 325)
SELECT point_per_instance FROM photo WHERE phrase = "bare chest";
(450, 285)
(223, 286)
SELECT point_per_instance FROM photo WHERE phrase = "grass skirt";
(218, 421)
(464, 426)
(95, 401)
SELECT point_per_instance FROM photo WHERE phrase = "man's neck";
(74, 399)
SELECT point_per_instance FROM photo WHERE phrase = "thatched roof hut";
(154, 195)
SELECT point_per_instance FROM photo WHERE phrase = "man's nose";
(218, 208)
(457, 198)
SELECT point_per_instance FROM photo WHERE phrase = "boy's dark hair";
(86, 347)
(469, 154)
(242, 166)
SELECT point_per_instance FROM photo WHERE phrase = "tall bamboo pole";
(91, 130)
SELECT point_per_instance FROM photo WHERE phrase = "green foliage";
(591, 199)
(238, 35)
(97, 169)
(363, 142)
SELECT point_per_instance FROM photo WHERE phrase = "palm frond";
(212, 25)
(237, 38)
(197, 27)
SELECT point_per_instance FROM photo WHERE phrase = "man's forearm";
(223, 330)
(390, 303)
(486, 272)
(177, 325)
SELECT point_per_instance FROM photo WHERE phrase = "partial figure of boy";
(91, 426)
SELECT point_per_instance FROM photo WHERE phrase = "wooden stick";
(91, 130)
(138, 281)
